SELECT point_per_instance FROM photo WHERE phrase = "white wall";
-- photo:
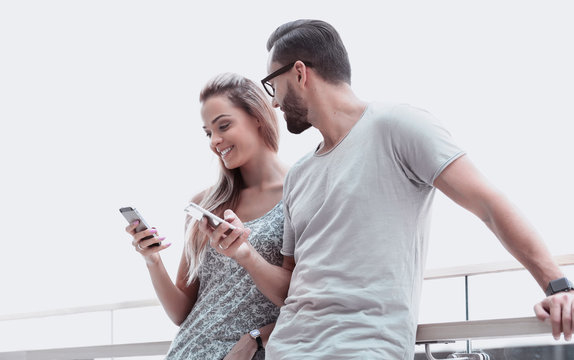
(99, 109)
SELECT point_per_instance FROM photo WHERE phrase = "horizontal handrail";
(426, 333)
(90, 352)
(482, 329)
(487, 268)
(440, 273)
(81, 309)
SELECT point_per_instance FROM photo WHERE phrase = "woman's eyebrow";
(216, 118)
(219, 117)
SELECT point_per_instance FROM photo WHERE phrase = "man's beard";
(295, 113)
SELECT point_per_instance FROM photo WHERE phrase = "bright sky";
(99, 109)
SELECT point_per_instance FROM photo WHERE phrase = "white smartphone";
(198, 212)
(131, 215)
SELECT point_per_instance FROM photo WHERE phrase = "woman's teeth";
(225, 151)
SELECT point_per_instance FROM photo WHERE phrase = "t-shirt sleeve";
(422, 145)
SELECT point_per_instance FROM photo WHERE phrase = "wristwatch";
(256, 335)
(559, 285)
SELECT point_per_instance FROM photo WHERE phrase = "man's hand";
(558, 308)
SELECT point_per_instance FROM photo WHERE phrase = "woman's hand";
(244, 349)
(234, 243)
(142, 245)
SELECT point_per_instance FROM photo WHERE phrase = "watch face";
(254, 333)
(558, 285)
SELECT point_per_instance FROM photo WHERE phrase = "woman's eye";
(208, 134)
(223, 126)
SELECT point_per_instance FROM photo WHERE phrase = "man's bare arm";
(465, 185)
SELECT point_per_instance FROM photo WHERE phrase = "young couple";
(327, 258)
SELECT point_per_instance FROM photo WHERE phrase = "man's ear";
(301, 71)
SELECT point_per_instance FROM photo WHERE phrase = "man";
(357, 212)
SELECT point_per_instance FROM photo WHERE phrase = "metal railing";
(90, 352)
(426, 333)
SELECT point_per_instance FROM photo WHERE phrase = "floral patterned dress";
(229, 305)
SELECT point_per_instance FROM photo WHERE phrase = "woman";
(214, 300)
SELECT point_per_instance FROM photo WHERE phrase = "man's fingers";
(559, 308)
(555, 319)
(567, 321)
(541, 312)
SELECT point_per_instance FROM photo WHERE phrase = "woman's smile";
(225, 151)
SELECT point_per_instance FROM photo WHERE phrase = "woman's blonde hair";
(246, 95)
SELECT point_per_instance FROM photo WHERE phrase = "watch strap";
(259, 343)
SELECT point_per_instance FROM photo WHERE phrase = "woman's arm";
(177, 299)
(273, 281)
(247, 346)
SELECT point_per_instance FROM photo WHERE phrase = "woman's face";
(234, 135)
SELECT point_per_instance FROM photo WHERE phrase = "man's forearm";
(522, 240)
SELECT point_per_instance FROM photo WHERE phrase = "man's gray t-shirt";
(357, 224)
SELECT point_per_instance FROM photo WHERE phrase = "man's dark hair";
(313, 41)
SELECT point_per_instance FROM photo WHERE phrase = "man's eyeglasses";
(267, 85)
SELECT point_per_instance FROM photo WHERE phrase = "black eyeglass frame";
(267, 85)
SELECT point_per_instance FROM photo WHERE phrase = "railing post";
(466, 297)
(112, 328)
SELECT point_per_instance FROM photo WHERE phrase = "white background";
(99, 109)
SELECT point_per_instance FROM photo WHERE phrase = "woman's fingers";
(145, 240)
(231, 238)
(204, 227)
(131, 228)
(145, 235)
(225, 235)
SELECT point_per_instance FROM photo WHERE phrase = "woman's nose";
(215, 140)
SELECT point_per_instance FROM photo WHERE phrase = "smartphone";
(131, 215)
(198, 212)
